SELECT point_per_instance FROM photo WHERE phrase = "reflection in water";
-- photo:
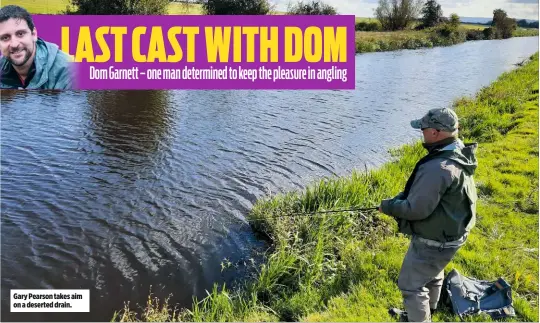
(7, 96)
(129, 129)
(117, 191)
(130, 121)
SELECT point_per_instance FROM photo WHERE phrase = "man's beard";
(25, 58)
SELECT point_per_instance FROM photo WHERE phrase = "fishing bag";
(467, 296)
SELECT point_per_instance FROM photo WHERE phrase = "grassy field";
(57, 6)
(525, 32)
(473, 26)
(344, 266)
(185, 9)
(376, 35)
(40, 6)
(365, 19)
(407, 39)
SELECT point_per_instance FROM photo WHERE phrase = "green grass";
(57, 6)
(525, 32)
(185, 9)
(408, 39)
(40, 6)
(366, 19)
(431, 37)
(474, 26)
(344, 266)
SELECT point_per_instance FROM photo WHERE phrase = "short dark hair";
(16, 12)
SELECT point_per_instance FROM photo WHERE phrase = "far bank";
(369, 41)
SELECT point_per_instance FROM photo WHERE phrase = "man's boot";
(400, 314)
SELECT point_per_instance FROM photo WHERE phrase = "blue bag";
(467, 296)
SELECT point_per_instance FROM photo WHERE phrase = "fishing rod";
(364, 209)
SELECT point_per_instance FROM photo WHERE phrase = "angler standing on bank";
(437, 208)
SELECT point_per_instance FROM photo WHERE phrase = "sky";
(521, 9)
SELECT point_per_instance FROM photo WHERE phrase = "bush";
(236, 7)
(118, 7)
(409, 43)
(398, 14)
(489, 33)
(368, 26)
(448, 34)
(475, 35)
(454, 20)
(315, 7)
(446, 30)
(366, 47)
(383, 45)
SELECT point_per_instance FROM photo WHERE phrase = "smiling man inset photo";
(29, 62)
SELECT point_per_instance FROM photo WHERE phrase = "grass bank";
(525, 32)
(344, 266)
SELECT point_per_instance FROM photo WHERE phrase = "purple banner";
(206, 52)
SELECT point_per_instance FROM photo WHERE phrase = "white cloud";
(484, 8)
(523, 9)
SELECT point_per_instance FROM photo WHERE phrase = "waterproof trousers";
(421, 277)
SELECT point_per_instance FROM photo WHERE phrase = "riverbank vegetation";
(399, 28)
(344, 266)
(445, 35)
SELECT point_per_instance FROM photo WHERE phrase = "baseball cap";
(443, 119)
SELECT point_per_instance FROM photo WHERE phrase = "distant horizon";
(486, 19)
(475, 19)
(467, 8)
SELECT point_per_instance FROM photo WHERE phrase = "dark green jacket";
(439, 200)
(52, 69)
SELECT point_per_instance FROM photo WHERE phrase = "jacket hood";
(463, 154)
(45, 56)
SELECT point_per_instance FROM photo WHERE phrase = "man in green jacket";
(29, 62)
(437, 208)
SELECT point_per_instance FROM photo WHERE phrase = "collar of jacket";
(449, 143)
(44, 60)
(436, 149)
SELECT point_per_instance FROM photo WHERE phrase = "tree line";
(391, 15)
(209, 7)
(394, 15)
(523, 23)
